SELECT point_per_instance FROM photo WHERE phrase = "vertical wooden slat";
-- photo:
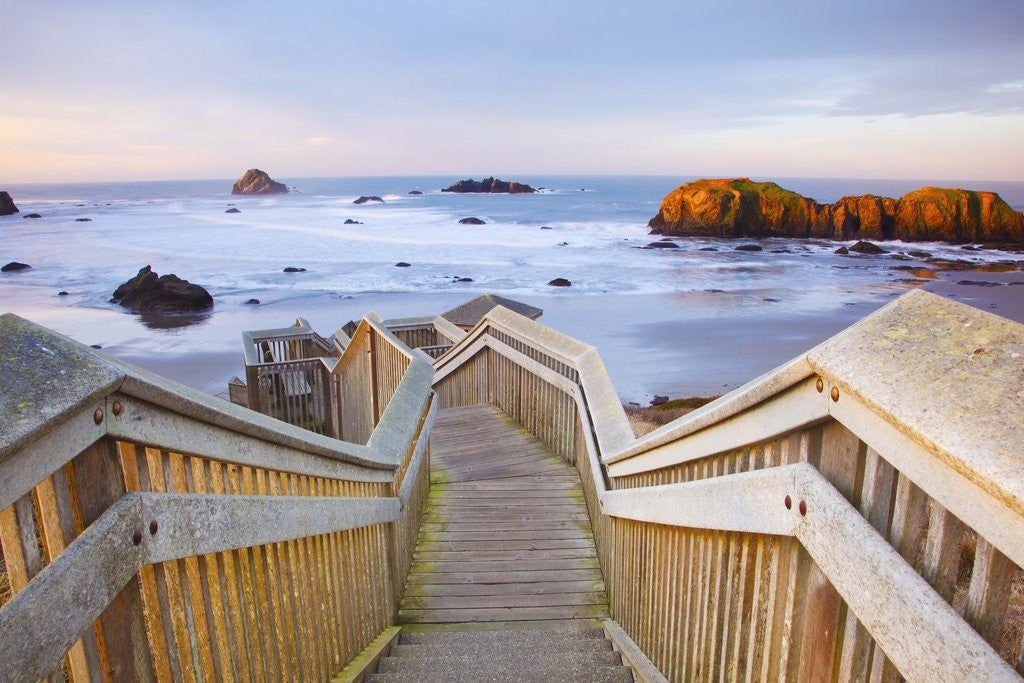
(989, 591)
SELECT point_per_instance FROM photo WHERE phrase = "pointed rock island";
(740, 207)
(490, 186)
(255, 181)
(7, 206)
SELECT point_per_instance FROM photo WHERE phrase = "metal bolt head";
(803, 508)
(153, 526)
(835, 393)
(97, 417)
(117, 408)
(789, 503)
(819, 385)
(137, 537)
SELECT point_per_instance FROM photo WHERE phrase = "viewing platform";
(410, 500)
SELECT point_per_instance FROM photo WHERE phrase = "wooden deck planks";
(506, 535)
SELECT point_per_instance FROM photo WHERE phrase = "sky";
(106, 90)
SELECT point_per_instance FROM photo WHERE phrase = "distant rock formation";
(415, 193)
(560, 282)
(489, 185)
(14, 267)
(148, 291)
(255, 181)
(233, 210)
(472, 220)
(739, 207)
(349, 221)
(32, 215)
(7, 206)
(371, 198)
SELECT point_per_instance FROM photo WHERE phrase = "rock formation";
(32, 215)
(489, 185)
(148, 291)
(14, 267)
(7, 206)
(560, 282)
(365, 199)
(233, 210)
(255, 181)
(472, 220)
(742, 208)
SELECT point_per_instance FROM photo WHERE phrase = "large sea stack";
(7, 206)
(739, 207)
(255, 181)
(489, 185)
(148, 291)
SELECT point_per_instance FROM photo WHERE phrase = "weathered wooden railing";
(433, 335)
(287, 373)
(855, 514)
(150, 531)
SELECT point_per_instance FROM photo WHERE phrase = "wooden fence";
(856, 514)
(150, 531)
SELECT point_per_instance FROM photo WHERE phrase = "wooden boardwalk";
(506, 536)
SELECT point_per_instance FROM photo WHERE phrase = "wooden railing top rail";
(443, 326)
(299, 331)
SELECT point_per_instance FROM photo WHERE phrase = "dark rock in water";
(781, 251)
(252, 302)
(715, 291)
(62, 293)
(659, 400)
(149, 292)
(463, 279)
(749, 247)
(365, 199)
(95, 346)
(349, 221)
(662, 244)
(402, 264)
(7, 206)
(83, 220)
(771, 300)
(863, 247)
(472, 220)
(919, 254)
(415, 193)
(14, 267)
(33, 215)
(970, 247)
(560, 282)
(708, 249)
(84, 204)
(899, 257)
(255, 181)
(544, 227)
(489, 185)
(563, 244)
(980, 283)
(293, 269)
(842, 251)
(233, 210)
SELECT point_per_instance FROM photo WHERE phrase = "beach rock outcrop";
(489, 185)
(148, 291)
(472, 220)
(365, 199)
(255, 181)
(32, 215)
(14, 266)
(349, 221)
(560, 282)
(415, 193)
(233, 210)
(740, 207)
(7, 206)
(293, 269)
(863, 247)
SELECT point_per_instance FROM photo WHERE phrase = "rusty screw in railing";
(97, 417)
(137, 537)
(819, 385)
(117, 408)
(803, 508)
(789, 503)
(835, 393)
(153, 526)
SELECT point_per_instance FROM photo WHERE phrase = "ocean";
(700, 319)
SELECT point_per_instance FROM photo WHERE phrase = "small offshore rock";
(233, 210)
(293, 269)
(415, 193)
(662, 244)
(488, 185)
(83, 220)
(33, 215)
(95, 346)
(708, 249)
(545, 227)
(14, 267)
(62, 293)
(864, 247)
(463, 279)
(402, 264)
(659, 400)
(255, 181)
(349, 221)
(560, 282)
(472, 220)
(364, 199)
(148, 291)
(919, 254)
(980, 283)
(842, 251)
(7, 206)
(749, 247)
(252, 302)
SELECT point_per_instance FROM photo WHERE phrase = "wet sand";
(675, 344)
